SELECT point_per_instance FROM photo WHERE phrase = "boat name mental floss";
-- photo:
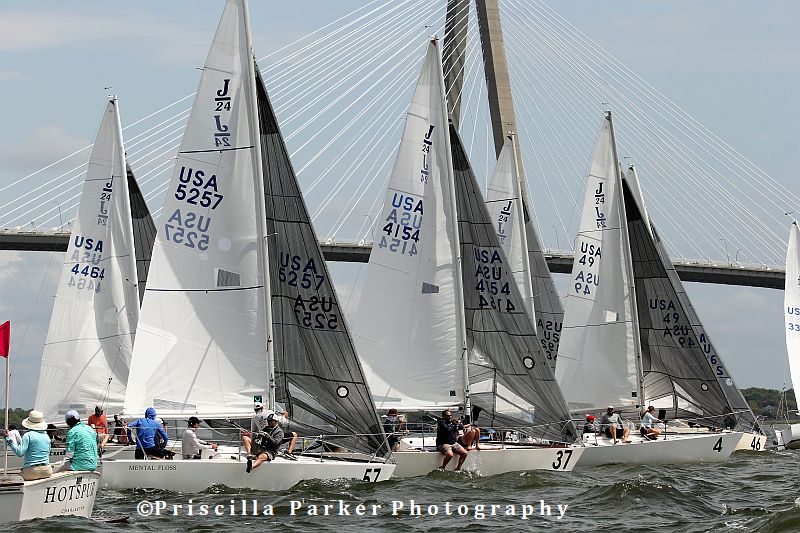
(77, 491)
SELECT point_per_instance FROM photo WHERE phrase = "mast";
(261, 208)
(626, 253)
(455, 244)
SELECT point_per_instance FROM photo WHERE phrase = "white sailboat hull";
(489, 461)
(788, 437)
(752, 442)
(199, 475)
(676, 449)
(66, 493)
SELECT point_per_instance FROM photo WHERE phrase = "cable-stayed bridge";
(341, 92)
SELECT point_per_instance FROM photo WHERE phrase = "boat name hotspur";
(479, 511)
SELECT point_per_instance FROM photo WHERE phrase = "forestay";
(202, 342)
(791, 303)
(596, 359)
(511, 382)
(517, 235)
(318, 376)
(87, 355)
(407, 332)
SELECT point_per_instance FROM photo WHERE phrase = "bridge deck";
(561, 263)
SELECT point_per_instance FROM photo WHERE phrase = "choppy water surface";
(751, 492)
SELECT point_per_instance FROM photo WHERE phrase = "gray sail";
(144, 231)
(546, 302)
(318, 375)
(675, 327)
(511, 382)
(677, 374)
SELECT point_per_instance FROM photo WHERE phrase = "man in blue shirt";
(146, 429)
(35, 447)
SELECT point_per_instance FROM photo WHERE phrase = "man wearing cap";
(35, 447)
(81, 449)
(99, 423)
(192, 446)
(590, 426)
(611, 424)
(265, 443)
(248, 436)
(146, 429)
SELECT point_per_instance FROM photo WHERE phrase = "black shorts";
(256, 449)
(620, 433)
(153, 452)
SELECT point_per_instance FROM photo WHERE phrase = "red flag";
(5, 338)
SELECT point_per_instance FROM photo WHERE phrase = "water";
(751, 492)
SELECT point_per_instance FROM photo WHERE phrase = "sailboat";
(627, 339)
(239, 306)
(87, 354)
(441, 324)
(508, 210)
(735, 411)
(789, 436)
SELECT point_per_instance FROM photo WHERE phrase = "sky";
(733, 65)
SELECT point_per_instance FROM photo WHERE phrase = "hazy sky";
(733, 65)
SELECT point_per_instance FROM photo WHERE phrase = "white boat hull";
(676, 449)
(788, 437)
(489, 460)
(752, 442)
(199, 475)
(66, 493)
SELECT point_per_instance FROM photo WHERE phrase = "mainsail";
(597, 363)
(318, 376)
(791, 303)
(511, 382)
(517, 235)
(669, 309)
(202, 340)
(680, 366)
(88, 350)
(407, 330)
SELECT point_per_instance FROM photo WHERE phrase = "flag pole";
(5, 343)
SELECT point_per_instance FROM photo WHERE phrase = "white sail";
(504, 203)
(88, 350)
(791, 304)
(407, 330)
(202, 341)
(596, 358)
